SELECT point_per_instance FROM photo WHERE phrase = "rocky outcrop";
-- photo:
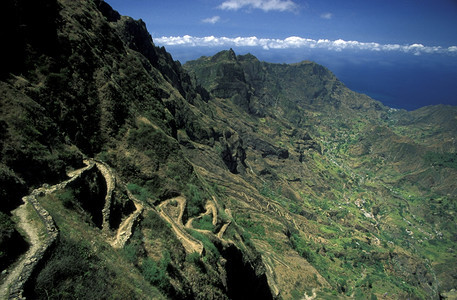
(267, 149)
(233, 153)
(451, 295)
(137, 37)
(224, 78)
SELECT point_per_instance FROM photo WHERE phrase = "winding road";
(189, 243)
(17, 276)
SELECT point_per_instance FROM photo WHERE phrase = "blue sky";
(383, 40)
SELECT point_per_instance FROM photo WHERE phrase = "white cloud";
(265, 5)
(212, 20)
(299, 42)
(327, 16)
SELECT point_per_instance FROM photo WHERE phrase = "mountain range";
(124, 174)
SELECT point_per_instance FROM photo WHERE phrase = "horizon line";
(296, 42)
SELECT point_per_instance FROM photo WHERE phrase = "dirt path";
(189, 243)
(35, 244)
(182, 206)
(224, 227)
(125, 229)
(210, 210)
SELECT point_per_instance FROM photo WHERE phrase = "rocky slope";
(223, 178)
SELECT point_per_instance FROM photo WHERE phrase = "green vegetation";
(130, 252)
(143, 194)
(302, 248)
(195, 200)
(6, 225)
(67, 197)
(159, 228)
(193, 257)
(156, 273)
(154, 143)
(72, 271)
(212, 253)
(446, 160)
(251, 226)
(204, 223)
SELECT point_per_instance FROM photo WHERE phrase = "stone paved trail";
(125, 228)
(25, 264)
(35, 244)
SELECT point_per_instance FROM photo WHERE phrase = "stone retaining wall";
(52, 233)
(17, 287)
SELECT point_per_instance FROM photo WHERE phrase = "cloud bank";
(299, 42)
(212, 20)
(265, 5)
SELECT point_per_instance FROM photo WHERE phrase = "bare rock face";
(233, 154)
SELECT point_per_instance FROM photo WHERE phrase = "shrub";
(141, 193)
(207, 243)
(159, 228)
(302, 248)
(146, 138)
(130, 253)
(205, 223)
(67, 198)
(251, 226)
(195, 200)
(73, 271)
(155, 273)
(6, 225)
(193, 257)
(447, 160)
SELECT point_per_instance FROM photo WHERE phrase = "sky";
(402, 52)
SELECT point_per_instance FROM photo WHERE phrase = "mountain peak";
(224, 55)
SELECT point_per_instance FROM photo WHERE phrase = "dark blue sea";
(400, 80)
